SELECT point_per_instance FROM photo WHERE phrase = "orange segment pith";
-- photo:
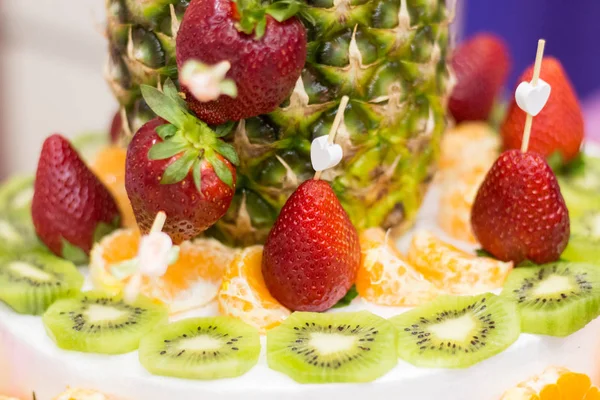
(455, 270)
(385, 278)
(191, 282)
(244, 294)
(554, 383)
(109, 166)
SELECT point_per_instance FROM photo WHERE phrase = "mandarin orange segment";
(109, 166)
(551, 392)
(574, 386)
(385, 278)
(244, 294)
(454, 270)
(592, 394)
(191, 282)
(554, 383)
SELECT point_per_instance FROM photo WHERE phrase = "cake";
(196, 255)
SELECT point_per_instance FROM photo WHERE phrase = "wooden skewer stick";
(339, 116)
(159, 222)
(536, 75)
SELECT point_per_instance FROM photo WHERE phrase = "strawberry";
(312, 254)
(519, 213)
(265, 48)
(177, 164)
(71, 208)
(558, 128)
(116, 128)
(480, 66)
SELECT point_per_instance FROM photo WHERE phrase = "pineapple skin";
(388, 56)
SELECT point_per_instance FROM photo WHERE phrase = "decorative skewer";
(329, 149)
(534, 82)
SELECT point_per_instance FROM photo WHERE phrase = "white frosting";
(30, 361)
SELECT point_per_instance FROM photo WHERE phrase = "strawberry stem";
(252, 14)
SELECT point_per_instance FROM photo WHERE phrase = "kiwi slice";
(585, 177)
(456, 331)
(332, 347)
(30, 282)
(16, 194)
(94, 322)
(555, 299)
(17, 233)
(201, 348)
(584, 243)
(88, 145)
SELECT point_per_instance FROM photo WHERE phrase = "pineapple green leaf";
(179, 169)
(166, 131)
(170, 90)
(227, 151)
(164, 106)
(225, 129)
(197, 174)
(167, 149)
(220, 168)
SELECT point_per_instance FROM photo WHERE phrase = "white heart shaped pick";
(532, 99)
(324, 155)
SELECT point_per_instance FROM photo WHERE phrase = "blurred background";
(52, 54)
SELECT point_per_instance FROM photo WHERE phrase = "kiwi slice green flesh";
(456, 331)
(16, 194)
(201, 348)
(584, 243)
(555, 299)
(30, 282)
(17, 232)
(586, 178)
(94, 322)
(332, 347)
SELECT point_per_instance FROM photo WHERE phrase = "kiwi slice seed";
(456, 331)
(94, 322)
(30, 282)
(201, 348)
(555, 299)
(332, 347)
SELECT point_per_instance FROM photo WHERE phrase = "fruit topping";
(265, 47)
(201, 348)
(82, 394)
(454, 270)
(117, 129)
(71, 208)
(333, 347)
(244, 294)
(30, 282)
(312, 254)
(89, 145)
(481, 66)
(190, 282)
(16, 195)
(179, 165)
(558, 128)
(94, 322)
(385, 278)
(519, 213)
(456, 331)
(555, 383)
(555, 299)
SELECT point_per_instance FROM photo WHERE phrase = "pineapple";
(388, 56)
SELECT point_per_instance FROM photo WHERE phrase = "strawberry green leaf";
(483, 253)
(225, 129)
(164, 106)
(227, 151)
(261, 28)
(73, 253)
(283, 10)
(220, 168)
(166, 131)
(171, 91)
(347, 299)
(167, 149)
(103, 229)
(197, 174)
(179, 169)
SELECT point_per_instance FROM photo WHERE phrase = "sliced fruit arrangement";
(559, 127)
(244, 294)
(180, 166)
(32, 280)
(468, 151)
(455, 270)
(385, 278)
(190, 282)
(201, 348)
(333, 347)
(71, 208)
(481, 65)
(313, 244)
(555, 383)
(456, 331)
(555, 299)
(95, 322)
